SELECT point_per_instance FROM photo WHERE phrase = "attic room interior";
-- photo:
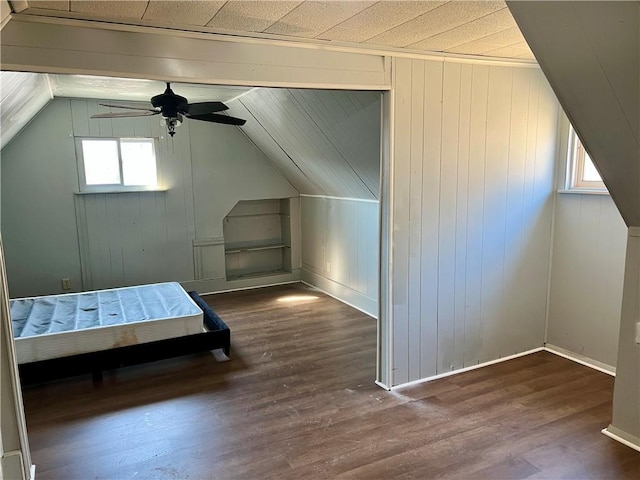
(420, 276)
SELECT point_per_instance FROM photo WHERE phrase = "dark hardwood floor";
(297, 401)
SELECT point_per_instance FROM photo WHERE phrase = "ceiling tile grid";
(312, 18)
(438, 20)
(483, 27)
(114, 8)
(251, 16)
(377, 19)
(195, 12)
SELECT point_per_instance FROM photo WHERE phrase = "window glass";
(582, 174)
(138, 162)
(101, 164)
(589, 172)
(117, 164)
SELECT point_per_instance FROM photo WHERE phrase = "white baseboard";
(620, 436)
(582, 360)
(382, 385)
(340, 292)
(465, 369)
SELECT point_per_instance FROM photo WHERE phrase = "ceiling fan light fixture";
(173, 108)
(172, 123)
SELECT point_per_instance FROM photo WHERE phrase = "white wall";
(587, 274)
(472, 184)
(128, 238)
(39, 175)
(340, 249)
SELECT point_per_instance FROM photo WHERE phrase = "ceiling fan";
(173, 108)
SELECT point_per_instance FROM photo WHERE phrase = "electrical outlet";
(638, 333)
(66, 284)
(328, 267)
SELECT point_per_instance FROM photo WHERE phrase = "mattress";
(56, 326)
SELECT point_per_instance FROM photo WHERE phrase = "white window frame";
(575, 167)
(115, 188)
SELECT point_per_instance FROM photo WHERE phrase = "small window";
(117, 164)
(581, 172)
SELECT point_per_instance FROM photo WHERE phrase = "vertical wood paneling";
(415, 212)
(448, 216)
(462, 200)
(587, 276)
(431, 135)
(401, 204)
(128, 233)
(482, 210)
(515, 272)
(475, 221)
(496, 170)
(340, 249)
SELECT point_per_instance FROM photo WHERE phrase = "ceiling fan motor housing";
(171, 104)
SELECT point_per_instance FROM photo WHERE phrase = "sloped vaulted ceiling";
(324, 142)
(590, 53)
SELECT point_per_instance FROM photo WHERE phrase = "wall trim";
(350, 199)
(466, 369)
(622, 437)
(634, 231)
(210, 286)
(581, 359)
(382, 385)
(145, 26)
(352, 305)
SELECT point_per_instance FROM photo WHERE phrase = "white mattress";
(61, 325)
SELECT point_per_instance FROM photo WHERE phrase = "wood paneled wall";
(587, 274)
(472, 181)
(123, 235)
(340, 249)
(107, 240)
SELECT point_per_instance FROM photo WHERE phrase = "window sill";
(583, 191)
(133, 190)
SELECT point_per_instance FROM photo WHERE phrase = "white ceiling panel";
(128, 89)
(377, 19)
(62, 5)
(311, 18)
(195, 12)
(518, 50)
(474, 30)
(251, 16)
(454, 26)
(23, 96)
(115, 8)
(438, 20)
(505, 38)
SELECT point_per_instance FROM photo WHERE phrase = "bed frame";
(216, 336)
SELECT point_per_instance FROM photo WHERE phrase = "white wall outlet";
(66, 284)
(638, 333)
(328, 267)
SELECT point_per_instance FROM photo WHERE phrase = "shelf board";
(255, 249)
(243, 276)
(272, 214)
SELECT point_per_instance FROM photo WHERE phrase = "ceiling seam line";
(347, 19)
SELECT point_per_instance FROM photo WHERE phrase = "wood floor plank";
(297, 400)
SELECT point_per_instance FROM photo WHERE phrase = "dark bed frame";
(216, 336)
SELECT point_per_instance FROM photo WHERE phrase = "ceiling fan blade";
(206, 107)
(129, 107)
(215, 118)
(146, 113)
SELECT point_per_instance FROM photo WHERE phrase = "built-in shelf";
(257, 239)
(253, 249)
